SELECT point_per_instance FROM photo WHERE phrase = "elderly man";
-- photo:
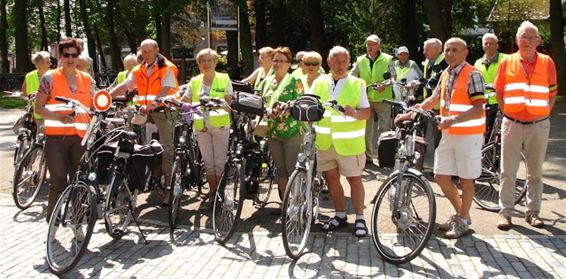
(462, 120)
(340, 137)
(370, 67)
(155, 78)
(526, 89)
(488, 65)
(405, 69)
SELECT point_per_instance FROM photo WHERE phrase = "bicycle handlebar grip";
(172, 102)
(62, 99)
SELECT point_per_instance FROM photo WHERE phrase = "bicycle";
(86, 199)
(404, 212)
(30, 169)
(244, 174)
(301, 199)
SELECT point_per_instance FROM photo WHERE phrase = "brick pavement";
(260, 254)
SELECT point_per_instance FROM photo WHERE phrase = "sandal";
(334, 223)
(360, 228)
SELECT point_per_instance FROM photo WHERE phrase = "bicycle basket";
(248, 103)
(307, 108)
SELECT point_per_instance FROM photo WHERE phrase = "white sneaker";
(459, 228)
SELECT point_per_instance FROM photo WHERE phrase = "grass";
(11, 102)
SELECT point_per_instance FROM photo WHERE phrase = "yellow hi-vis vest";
(32, 86)
(219, 118)
(121, 76)
(375, 74)
(489, 76)
(346, 133)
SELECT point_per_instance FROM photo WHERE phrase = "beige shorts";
(348, 166)
(459, 155)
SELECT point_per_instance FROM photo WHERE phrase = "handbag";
(307, 108)
(248, 103)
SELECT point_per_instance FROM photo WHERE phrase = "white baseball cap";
(402, 49)
(374, 38)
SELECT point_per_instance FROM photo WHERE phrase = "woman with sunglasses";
(285, 131)
(64, 131)
(311, 65)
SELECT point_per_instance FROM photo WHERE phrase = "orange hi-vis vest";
(60, 88)
(521, 93)
(459, 103)
(149, 86)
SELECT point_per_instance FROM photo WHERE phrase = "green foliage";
(10, 102)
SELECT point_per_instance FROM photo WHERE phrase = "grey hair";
(489, 36)
(130, 57)
(300, 55)
(39, 56)
(150, 42)
(207, 51)
(433, 42)
(526, 25)
(338, 50)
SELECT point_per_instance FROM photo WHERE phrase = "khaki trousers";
(383, 113)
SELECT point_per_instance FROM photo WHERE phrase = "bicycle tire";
(297, 214)
(21, 148)
(488, 185)
(266, 179)
(228, 203)
(29, 177)
(405, 224)
(198, 175)
(75, 208)
(176, 194)
(118, 207)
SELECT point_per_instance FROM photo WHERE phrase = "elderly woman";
(213, 128)
(129, 62)
(285, 131)
(311, 65)
(264, 70)
(63, 131)
(42, 62)
(85, 65)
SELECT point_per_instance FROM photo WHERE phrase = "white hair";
(130, 57)
(39, 56)
(433, 42)
(525, 25)
(150, 42)
(300, 55)
(489, 36)
(338, 50)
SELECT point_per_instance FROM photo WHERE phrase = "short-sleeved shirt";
(476, 85)
(336, 88)
(167, 81)
(284, 125)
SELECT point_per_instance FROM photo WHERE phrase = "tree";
(439, 16)
(557, 40)
(89, 36)
(316, 24)
(245, 38)
(68, 22)
(113, 40)
(5, 68)
(260, 23)
(23, 63)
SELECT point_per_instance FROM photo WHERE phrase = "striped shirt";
(476, 85)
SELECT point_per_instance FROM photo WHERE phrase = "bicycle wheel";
(29, 176)
(21, 148)
(488, 185)
(198, 175)
(119, 207)
(70, 227)
(297, 214)
(177, 187)
(228, 203)
(267, 176)
(401, 234)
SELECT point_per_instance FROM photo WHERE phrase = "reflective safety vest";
(32, 86)
(489, 75)
(121, 76)
(375, 74)
(436, 61)
(345, 133)
(460, 103)
(149, 86)
(298, 72)
(520, 93)
(60, 88)
(402, 72)
(261, 76)
(218, 89)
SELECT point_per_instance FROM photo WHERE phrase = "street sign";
(224, 16)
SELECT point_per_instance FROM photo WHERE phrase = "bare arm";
(251, 78)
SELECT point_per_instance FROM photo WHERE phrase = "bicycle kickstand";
(136, 221)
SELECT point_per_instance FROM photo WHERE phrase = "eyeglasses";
(311, 63)
(67, 55)
(279, 61)
(528, 38)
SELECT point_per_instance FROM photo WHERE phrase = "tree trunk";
(4, 38)
(409, 33)
(44, 43)
(157, 15)
(260, 24)
(246, 39)
(99, 46)
(557, 39)
(58, 21)
(88, 32)
(67, 8)
(434, 11)
(316, 27)
(278, 20)
(114, 46)
(23, 63)
(130, 37)
(165, 42)
(232, 42)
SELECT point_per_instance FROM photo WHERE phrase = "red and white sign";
(102, 100)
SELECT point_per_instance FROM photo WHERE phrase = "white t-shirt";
(336, 90)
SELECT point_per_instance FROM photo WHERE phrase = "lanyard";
(279, 89)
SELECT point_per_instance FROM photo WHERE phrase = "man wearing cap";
(487, 65)
(370, 67)
(406, 69)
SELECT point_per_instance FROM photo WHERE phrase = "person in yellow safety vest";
(155, 78)
(526, 87)
(311, 61)
(129, 62)
(487, 65)
(301, 69)
(264, 70)
(42, 62)
(64, 132)
(407, 69)
(460, 94)
(340, 138)
(370, 67)
(212, 127)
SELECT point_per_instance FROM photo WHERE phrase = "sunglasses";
(311, 63)
(67, 55)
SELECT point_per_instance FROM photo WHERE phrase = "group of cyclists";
(524, 82)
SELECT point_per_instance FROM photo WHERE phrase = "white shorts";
(459, 155)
